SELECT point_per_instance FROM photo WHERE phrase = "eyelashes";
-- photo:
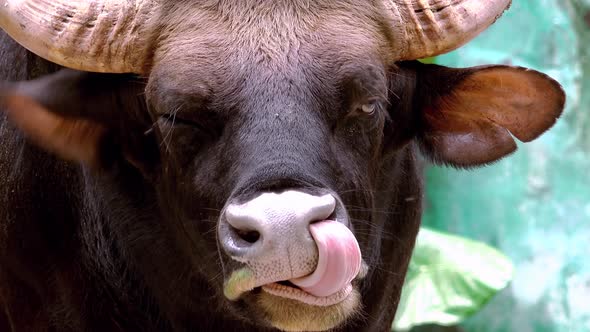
(173, 119)
(206, 125)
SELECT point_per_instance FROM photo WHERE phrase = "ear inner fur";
(71, 139)
(472, 114)
(523, 101)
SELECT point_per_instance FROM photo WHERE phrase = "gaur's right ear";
(72, 114)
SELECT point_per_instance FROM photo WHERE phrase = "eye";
(369, 108)
(174, 119)
(206, 123)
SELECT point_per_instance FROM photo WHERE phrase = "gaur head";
(265, 149)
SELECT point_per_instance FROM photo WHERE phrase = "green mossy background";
(535, 205)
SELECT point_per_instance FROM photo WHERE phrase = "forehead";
(224, 43)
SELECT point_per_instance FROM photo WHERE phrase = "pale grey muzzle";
(270, 233)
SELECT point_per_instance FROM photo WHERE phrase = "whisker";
(168, 136)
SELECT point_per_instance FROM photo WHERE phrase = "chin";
(289, 314)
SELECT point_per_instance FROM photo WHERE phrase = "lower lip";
(304, 297)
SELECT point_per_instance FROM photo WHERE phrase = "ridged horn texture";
(100, 36)
(424, 28)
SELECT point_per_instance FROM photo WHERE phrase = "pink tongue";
(339, 259)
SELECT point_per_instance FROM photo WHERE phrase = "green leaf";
(449, 279)
(428, 60)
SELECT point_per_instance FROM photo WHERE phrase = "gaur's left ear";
(467, 117)
(79, 116)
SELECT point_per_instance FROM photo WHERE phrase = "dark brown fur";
(239, 97)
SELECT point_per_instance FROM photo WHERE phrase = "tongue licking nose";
(339, 259)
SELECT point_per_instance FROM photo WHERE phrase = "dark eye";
(174, 119)
(206, 125)
(369, 108)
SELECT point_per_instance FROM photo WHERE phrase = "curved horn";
(424, 28)
(100, 36)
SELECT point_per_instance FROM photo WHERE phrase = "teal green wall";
(534, 205)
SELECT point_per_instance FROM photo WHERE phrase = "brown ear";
(71, 139)
(472, 114)
(84, 117)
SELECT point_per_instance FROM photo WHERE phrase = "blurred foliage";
(449, 279)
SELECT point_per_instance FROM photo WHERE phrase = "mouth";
(311, 297)
(243, 281)
(287, 290)
(339, 263)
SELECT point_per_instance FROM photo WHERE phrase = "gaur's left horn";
(107, 36)
(423, 28)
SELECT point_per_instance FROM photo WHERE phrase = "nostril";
(318, 220)
(243, 226)
(332, 216)
(247, 235)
